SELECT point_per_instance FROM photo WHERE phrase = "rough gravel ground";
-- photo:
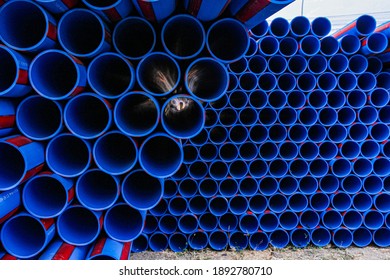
(289, 253)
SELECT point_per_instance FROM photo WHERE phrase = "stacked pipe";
(117, 137)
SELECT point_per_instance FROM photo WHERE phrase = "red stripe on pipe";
(224, 8)
(22, 77)
(147, 10)
(64, 252)
(250, 9)
(107, 103)
(98, 247)
(107, 36)
(344, 30)
(19, 141)
(70, 194)
(52, 31)
(125, 251)
(364, 42)
(77, 90)
(8, 257)
(46, 173)
(78, 61)
(9, 215)
(7, 121)
(32, 172)
(1, 2)
(194, 7)
(113, 14)
(47, 223)
(101, 221)
(382, 27)
(70, 3)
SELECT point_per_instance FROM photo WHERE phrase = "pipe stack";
(130, 125)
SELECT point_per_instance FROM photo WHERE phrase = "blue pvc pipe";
(34, 31)
(331, 219)
(349, 44)
(177, 206)
(166, 161)
(308, 116)
(59, 250)
(362, 167)
(297, 133)
(24, 236)
(288, 185)
(111, 10)
(208, 187)
(248, 186)
(117, 82)
(20, 160)
(381, 237)
(368, 115)
(375, 65)
(278, 168)
(248, 223)
(317, 64)
(309, 45)
(253, 48)
(268, 151)
(298, 168)
(373, 184)
(57, 6)
(238, 134)
(257, 100)
(47, 195)
(362, 202)
(363, 26)
(308, 150)
(297, 64)
(38, 118)
(56, 75)
(136, 195)
(175, 40)
(357, 64)
(248, 81)
(320, 236)
(228, 222)
(384, 114)
(218, 205)
(83, 33)
(158, 74)
(115, 153)
(349, 149)
(300, 237)
(318, 98)
(248, 116)
(279, 27)
(238, 67)
(356, 99)
(228, 117)
(299, 26)
(373, 219)
(347, 81)
(338, 63)
(190, 154)
(259, 30)
(238, 205)
(277, 99)
(158, 241)
(308, 185)
(329, 46)
(258, 168)
(211, 117)
(277, 64)
(309, 219)
(341, 167)
(208, 222)
(258, 241)
(206, 10)
(238, 100)
(268, 221)
(267, 81)
(288, 150)
(257, 64)
(7, 117)
(352, 184)
(218, 240)
(79, 226)
(288, 220)
(10, 201)
(297, 202)
(306, 82)
(336, 99)
(382, 202)
(379, 97)
(210, 70)
(228, 187)
(380, 132)
(366, 81)
(362, 237)
(342, 238)
(341, 201)
(188, 223)
(385, 149)
(178, 242)
(278, 203)
(155, 10)
(198, 170)
(218, 170)
(124, 223)
(346, 116)
(198, 240)
(268, 46)
(197, 205)
(279, 238)
(14, 73)
(140, 244)
(317, 133)
(321, 26)
(188, 188)
(218, 40)
(352, 219)
(258, 204)
(287, 82)
(268, 185)
(132, 29)
(151, 224)
(228, 152)
(328, 150)
(238, 240)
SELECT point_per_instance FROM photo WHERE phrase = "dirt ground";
(289, 253)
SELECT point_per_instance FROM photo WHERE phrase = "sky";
(340, 12)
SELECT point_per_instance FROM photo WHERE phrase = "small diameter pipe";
(248, 223)
(253, 48)
(341, 167)
(363, 26)
(79, 226)
(328, 150)
(321, 26)
(362, 202)
(299, 26)
(382, 202)
(352, 219)
(228, 187)
(198, 240)
(308, 185)
(20, 160)
(373, 219)
(373, 184)
(288, 185)
(59, 250)
(349, 44)
(137, 114)
(362, 167)
(158, 241)
(259, 30)
(317, 64)
(188, 223)
(297, 64)
(288, 220)
(362, 237)
(341, 201)
(375, 65)
(309, 45)
(238, 240)
(248, 81)
(257, 64)
(198, 170)
(130, 30)
(228, 116)
(208, 187)
(178, 242)
(258, 204)
(288, 150)
(228, 152)
(151, 224)
(218, 170)
(258, 241)
(287, 82)
(188, 188)
(111, 10)
(297, 202)
(342, 238)
(155, 10)
(197, 205)
(331, 219)
(306, 82)
(368, 115)
(277, 203)
(56, 75)
(357, 64)
(320, 237)
(336, 99)
(278, 168)
(379, 97)
(25, 236)
(309, 219)
(268, 222)
(175, 40)
(238, 205)
(347, 81)
(258, 168)
(268, 46)
(300, 237)
(211, 117)
(39, 118)
(218, 205)
(352, 184)
(277, 64)
(47, 195)
(384, 114)
(238, 134)
(268, 185)
(218, 39)
(238, 67)
(383, 80)
(207, 69)
(297, 133)
(83, 33)
(279, 238)
(279, 27)
(208, 222)
(14, 73)
(177, 206)
(34, 31)
(218, 240)
(338, 63)
(329, 46)
(228, 222)
(248, 186)
(379, 132)
(10, 202)
(346, 116)
(160, 155)
(298, 168)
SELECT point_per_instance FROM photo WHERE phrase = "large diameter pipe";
(82, 33)
(59, 250)
(111, 10)
(68, 155)
(206, 10)
(7, 117)
(56, 75)
(218, 40)
(25, 236)
(156, 10)
(34, 31)
(97, 190)
(20, 159)
(106, 248)
(58, 6)
(14, 73)
(183, 116)
(47, 195)
(183, 37)
(161, 155)
(363, 26)
(251, 12)
(10, 202)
